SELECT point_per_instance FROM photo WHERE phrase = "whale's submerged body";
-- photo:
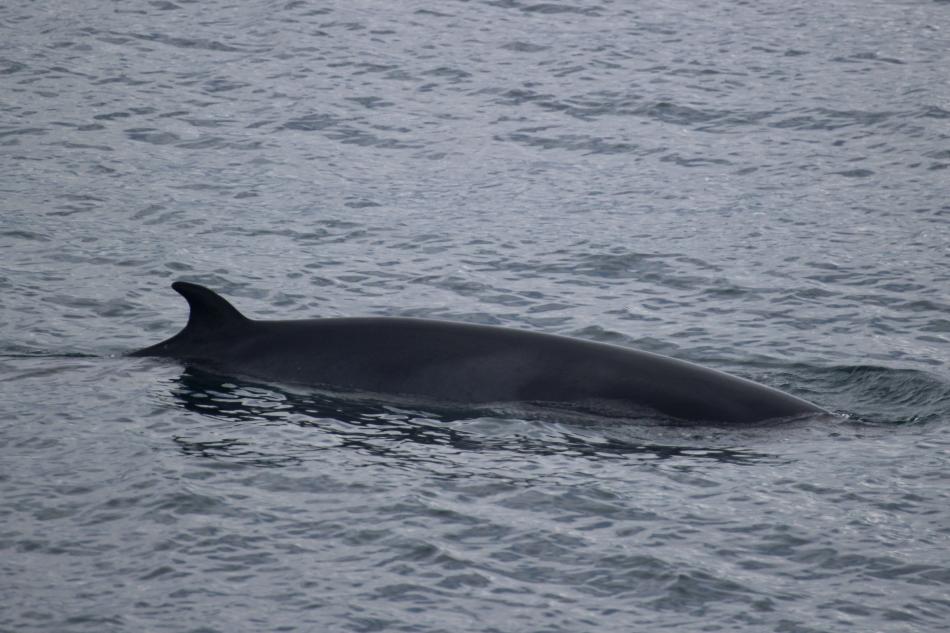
(461, 363)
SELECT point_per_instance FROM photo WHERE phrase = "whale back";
(445, 361)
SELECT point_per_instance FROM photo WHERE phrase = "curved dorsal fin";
(209, 311)
(210, 315)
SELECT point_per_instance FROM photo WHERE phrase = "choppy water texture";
(760, 187)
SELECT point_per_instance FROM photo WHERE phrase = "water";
(758, 187)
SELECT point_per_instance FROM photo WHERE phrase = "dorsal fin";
(209, 310)
(209, 315)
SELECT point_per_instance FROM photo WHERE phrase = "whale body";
(461, 363)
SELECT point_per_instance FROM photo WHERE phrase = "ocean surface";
(760, 187)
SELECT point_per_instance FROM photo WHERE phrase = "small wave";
(890, 396)
(194, 43)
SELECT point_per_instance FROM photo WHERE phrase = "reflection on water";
(381, 429)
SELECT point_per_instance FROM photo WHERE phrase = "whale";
(455, 363)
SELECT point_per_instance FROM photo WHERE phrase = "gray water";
(757, 187)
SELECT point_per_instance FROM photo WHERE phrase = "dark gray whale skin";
(462, 363)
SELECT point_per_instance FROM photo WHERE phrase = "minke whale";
(462, 363)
